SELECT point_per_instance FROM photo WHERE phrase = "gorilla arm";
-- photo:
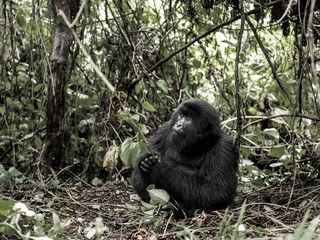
(141, 175)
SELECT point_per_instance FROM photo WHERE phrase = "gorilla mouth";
(176, 133)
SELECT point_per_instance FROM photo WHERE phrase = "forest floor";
(266, 214)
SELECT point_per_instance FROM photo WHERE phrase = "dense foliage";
(129, 41)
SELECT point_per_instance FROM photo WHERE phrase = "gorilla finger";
(148, 161)
(154, 159)
(145, 169)
(151, 161)
(146, 166)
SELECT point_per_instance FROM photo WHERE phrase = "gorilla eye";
(188, 118)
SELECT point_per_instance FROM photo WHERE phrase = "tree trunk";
(54, 149)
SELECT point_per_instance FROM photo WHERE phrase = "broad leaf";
(129, 151)
(163, 85)
(159, 196)
(148, 107)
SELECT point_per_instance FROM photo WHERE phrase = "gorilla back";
(192, 159)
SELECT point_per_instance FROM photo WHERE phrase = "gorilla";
(192, 159)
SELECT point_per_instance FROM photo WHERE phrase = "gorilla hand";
(147, 164)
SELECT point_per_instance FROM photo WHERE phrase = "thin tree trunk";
(54, 149)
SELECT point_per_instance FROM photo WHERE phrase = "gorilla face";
(181, 128)
(182, 125)
(193, 125)
(181, 131)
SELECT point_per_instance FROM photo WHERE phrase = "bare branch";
(281, 115)
(273, 69)
(212, 72)
(238, 79)
(89, 59)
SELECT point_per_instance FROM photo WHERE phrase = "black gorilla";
(192, 159)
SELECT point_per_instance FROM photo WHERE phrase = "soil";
(267, 212)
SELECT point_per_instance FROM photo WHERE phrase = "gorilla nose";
(178, 128)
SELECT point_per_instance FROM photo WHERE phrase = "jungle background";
(83, 85)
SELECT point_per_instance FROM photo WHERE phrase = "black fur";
(197, 168)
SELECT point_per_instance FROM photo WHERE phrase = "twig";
(78, 13)
(89, 59)
(165, 229)
(273, 69)
(238, 81)
(310, 37)
(121, 30)
(286, 12)
(281, 115)
(211, 70)
(277, 221)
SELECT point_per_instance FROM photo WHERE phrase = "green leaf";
(9, 101)
(124, 116)
(147, 206)
(21, 20)
(148, 107)
(85, 122)
(8, 85)
(272, 132)
(253, 111)
(300, 229)
(6, 206)
(278, 164)
(243, 93)
(159, 196)
(56, 221)
(291, 81)
(31, 107)
(196, 63)
(38, 142)
(258, 183)
(135, 117)
(286, 161)
(277, 152)
(14, 172)
(129, 151)
(163, 85)
(138, 87)
(28, 136)
(37, 87)
(2, 110)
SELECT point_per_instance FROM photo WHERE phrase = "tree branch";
(89, 59)
(281, 115)
(238, 79)
(273, 69)
(212, 72)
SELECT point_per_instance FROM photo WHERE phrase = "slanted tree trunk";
(54, 148)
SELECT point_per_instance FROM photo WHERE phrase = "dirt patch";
(267, 210)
